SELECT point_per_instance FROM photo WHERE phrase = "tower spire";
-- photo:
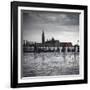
(43, 37)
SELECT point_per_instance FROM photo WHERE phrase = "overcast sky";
(62, 26)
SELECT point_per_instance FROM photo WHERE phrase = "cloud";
(51, 17)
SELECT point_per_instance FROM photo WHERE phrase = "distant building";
(65, 44)
(52, 42)
(51, 45)
(43, 38)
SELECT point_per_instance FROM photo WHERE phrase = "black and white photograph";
(49, 44)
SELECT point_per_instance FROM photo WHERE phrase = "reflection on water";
(50, 64)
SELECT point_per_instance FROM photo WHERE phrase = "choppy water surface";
(50, 64)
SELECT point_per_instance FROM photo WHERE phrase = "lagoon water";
(50, 64)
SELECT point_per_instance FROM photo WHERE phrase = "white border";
(52, 78)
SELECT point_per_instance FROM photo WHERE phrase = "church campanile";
(43, 37)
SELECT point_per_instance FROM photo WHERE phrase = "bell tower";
(43, 37)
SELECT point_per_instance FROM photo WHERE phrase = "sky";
(62, 26)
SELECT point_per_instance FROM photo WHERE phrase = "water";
(50, 64)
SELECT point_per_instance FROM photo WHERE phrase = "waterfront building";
(51, 45)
